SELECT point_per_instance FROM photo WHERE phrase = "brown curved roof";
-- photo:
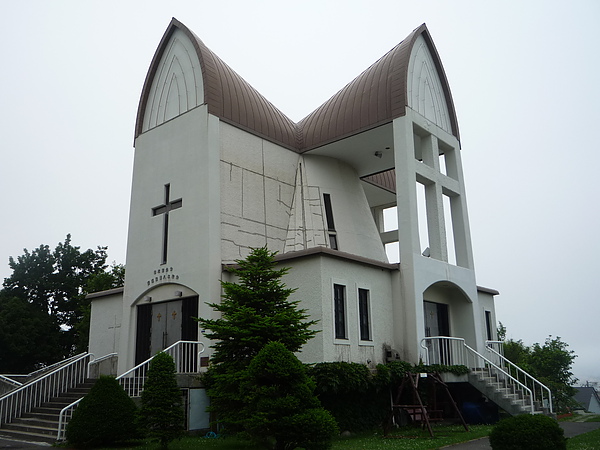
(375, 97)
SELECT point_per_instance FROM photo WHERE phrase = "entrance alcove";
(448, 311)
(165, 315)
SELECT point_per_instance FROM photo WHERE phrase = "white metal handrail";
(527, 379)
(47, 369)
(30, 395)
(10, 381)
(185, 354)
(102, 358)
(445, 350)
(455, 351)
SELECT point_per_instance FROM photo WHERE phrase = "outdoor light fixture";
(178, 293)
(378, 153)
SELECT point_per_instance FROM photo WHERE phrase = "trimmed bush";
(105, 416)
(161, 414)
(282, 411)
(528, 432)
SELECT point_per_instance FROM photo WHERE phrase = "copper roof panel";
(376, 96)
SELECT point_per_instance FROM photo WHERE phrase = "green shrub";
(161, 414)
(104, 417)
(360, 399)
(528, 432)
(281, 409)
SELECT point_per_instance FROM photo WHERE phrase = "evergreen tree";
(282, 411)
(161, 414)
(254, 311)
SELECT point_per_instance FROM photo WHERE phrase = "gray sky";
(524, 77)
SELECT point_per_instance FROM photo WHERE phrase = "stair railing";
(35, 374)
(539, 390)
(455, 351)
(40, 390)
(7, 384)
(7, 380)
(185, 354)
(444, 350)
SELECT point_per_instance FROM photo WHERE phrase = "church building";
(363, 199)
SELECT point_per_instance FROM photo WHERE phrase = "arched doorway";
(447, 313)
(163, 321)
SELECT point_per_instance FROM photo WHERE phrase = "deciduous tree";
(50, 286)
(550, 362)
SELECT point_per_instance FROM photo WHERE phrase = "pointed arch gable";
(431, 80)
(176, 85)
(425, 92)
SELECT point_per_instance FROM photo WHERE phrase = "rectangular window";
(339, 311)
(363, 314)
(333, 241)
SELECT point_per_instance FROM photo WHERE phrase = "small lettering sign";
(163, 275)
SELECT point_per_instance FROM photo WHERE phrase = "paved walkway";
(6, 442)
(571, 429)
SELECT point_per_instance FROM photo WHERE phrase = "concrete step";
(50, 422)
(26, 428)
(41, 424)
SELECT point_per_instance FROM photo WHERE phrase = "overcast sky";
(524, 77)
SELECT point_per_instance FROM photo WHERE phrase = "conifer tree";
(161, 413)
(255, 310)
(282, 411)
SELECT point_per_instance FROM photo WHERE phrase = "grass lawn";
(406, 438)
(587, 441)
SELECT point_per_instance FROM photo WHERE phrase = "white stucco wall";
(105, 324)
(486, 303)
(355, 226)
(420, 272)
(257, 187)
(183, 152)
(314, 277)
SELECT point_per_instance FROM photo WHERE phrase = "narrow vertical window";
(363, 314)
(488, 325)
(328, 212)
(330, 223)
(339, 311)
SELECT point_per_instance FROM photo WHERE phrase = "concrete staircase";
(508, 395)
(41, 424)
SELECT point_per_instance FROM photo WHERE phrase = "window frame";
(366, 309)
(340, 325)
(330, 222)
